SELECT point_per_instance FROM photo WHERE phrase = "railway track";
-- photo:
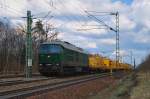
(21, 81)
(18, 75)
(29, 91)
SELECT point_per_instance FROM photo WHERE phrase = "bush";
(145, 65)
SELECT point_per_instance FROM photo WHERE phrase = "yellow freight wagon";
(101, 63)
(122, 66)
(92, 62)
(117, 65)
(112, 64)
(128, 66)
(95, 61)
(106, 64)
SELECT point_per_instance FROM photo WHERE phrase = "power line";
(100, 21)
(68, 17)
(116, 30)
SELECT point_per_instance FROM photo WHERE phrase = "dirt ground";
(80, 91)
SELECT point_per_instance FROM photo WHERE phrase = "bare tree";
(12, 46)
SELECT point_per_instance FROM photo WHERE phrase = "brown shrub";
(145, 65)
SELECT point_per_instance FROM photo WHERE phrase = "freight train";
(60, 57)
(99, 63)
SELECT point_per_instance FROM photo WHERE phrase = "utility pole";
(116, 30)
(134, 64)
(28, 70)
(117, 40)
(131, 55)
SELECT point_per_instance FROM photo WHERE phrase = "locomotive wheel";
(61, 71)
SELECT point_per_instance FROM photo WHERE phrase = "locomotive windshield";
(50, 48)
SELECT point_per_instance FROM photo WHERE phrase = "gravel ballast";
(79, 91)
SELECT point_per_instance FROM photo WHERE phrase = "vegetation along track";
(29, 91)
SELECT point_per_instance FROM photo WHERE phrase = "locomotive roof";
(67, 45)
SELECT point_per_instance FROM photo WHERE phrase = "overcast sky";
(70, 18)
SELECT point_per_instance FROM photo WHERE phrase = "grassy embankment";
(119, 90)
(142, 90)
(134, 86)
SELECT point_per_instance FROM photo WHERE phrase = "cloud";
(122, 53)
(142, 36)
(107, 41)
(126, 24)
(69, 17)
(79, 41)
(88, 44)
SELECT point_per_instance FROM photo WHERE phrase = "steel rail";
(14, 76)
(26, 92)
(14, 82)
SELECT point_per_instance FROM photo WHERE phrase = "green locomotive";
(60, 57)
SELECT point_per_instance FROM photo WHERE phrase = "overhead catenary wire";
(69, 18)
(100, 21)
(15, 10)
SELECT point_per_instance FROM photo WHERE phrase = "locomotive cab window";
(50, 48)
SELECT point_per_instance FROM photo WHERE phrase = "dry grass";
(145, 65)
(142, 90)
(135, 86)
(119, 90)
(123, 89)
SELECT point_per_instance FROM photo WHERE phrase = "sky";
(74, 25)
(124, 1)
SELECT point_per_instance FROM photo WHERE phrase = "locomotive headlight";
(40, 64)
(57, 64)
(48, 56)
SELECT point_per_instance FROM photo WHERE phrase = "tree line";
(12, 46)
